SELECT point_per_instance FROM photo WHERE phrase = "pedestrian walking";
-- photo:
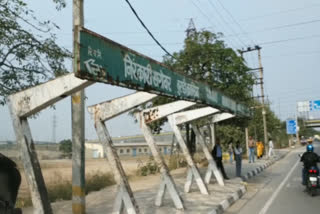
(217, 155)
(230, 151)
(260, 149)
(271, 152)
(238, 158)
(252, 145)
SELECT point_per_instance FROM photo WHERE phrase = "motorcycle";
(312, 181)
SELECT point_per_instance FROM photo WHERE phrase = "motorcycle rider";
(309, 159)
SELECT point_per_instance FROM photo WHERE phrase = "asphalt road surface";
(278, 190)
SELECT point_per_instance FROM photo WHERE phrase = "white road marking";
(275, 194)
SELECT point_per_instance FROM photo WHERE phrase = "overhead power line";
(288, 40)
(145, 27)
(237, 23)
(280, 27)
(279, 12)
(226, 23)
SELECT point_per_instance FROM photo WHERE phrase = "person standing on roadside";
(252, 145)
(238, 158)
(271, 152)
(230, 150)
(217, 156)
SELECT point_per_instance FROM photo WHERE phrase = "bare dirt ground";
(62, 169)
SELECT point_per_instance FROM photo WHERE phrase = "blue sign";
(291, 126)
(314, 105)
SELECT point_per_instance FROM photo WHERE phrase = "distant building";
(94, 149)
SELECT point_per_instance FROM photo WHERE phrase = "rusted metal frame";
(26, 103)
(32, 169)
(194, 172)
(212, 167)
(101, 113)
(167, 181)
(125, 198)
(32, 100)
(112, 108)
(192, 115)
(152, 114)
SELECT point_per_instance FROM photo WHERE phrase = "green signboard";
(103, 60)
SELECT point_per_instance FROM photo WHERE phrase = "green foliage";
(29, 54)
(206, 57)
(65, 146)
(151, 167)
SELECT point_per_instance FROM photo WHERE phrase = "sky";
(288, 32)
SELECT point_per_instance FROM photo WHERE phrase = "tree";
(29, 54)
(66, 148)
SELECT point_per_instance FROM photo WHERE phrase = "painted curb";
(225, 204)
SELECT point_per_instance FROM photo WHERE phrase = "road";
(278, 190)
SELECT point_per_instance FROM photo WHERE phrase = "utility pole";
(263, 106)
(258, 48)
(77, 107)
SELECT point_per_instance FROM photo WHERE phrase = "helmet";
(309, 148)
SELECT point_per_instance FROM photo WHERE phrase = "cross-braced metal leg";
(166, 179)
(193, 171)
(212, 167)
(32, 167)
(125, 199)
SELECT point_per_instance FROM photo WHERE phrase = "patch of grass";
(61, 189)
(151, 167)
(98, 180)
(176, 161)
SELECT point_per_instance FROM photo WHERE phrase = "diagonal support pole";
(167, 182)
(125, 195)
(193, 170)
(100, 113)
(26, 103)
(212, 167)
(38, 190)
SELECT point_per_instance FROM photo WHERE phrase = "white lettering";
(145, 74)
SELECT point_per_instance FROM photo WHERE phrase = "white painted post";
(105, 111)
(167, 181)
(125, 195)
(193, 170)
(26, 103)
(212, 167)
(38, 190)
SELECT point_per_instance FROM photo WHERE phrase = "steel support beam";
(212, 167)
(167, 182)
(30, 101)
(112, 108)
(191, 115)
(26, 103)
(32, 169)
(124, 199)
(152, 114)
(105, 111)
(193, 169)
